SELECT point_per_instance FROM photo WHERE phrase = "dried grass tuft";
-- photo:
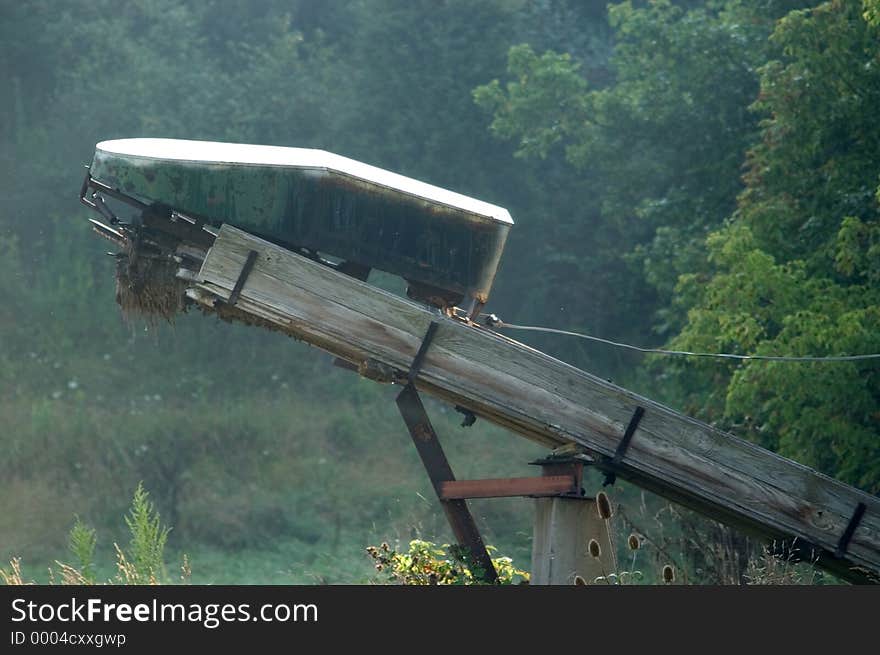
(71, 575)
(13, 576)
(147, 286)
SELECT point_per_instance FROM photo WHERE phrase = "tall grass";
(142, 563)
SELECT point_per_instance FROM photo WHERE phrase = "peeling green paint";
(331, 211)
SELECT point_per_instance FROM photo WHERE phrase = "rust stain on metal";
(377, 371)
(423, 432)
(447, 246)
(548, 485)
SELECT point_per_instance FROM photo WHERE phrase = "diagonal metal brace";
(624, 443)
(439, 471)
(416, 365)
(242, 277)
(850, 530)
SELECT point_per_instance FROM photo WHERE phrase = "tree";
(795, 271)
(658, 148)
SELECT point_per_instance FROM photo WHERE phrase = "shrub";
(426, 563)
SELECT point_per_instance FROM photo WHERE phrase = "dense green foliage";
(783, 261)
(698, 173)
(795, 270)
(426, 563)
(659, 147)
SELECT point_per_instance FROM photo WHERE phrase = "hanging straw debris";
(147, 286)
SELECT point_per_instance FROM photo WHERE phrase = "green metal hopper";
(446, 245)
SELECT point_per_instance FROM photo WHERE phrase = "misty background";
(671, 177)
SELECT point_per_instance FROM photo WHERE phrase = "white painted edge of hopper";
(215, 152)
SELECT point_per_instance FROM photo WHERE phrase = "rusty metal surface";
(439, 471)
(546, 485)
(555, 466)
(321, 201)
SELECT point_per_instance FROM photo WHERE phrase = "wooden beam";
(549, 401)
(548, 485)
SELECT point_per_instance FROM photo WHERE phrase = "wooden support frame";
(550, 402)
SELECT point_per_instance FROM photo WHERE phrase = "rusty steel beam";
(548, 485)
(439, 471)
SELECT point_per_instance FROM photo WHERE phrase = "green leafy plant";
(81, 543)
(144, 563)
(426, 563)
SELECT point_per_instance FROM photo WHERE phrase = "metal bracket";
(469, 417)
(100, 188)
(570, 465)
(414, 368)
(97, 202)
(439, 471)
(624, 444)
(242, 277)
(416, 365)
(850, 530)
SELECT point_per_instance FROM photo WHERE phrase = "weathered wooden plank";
(546, 400)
